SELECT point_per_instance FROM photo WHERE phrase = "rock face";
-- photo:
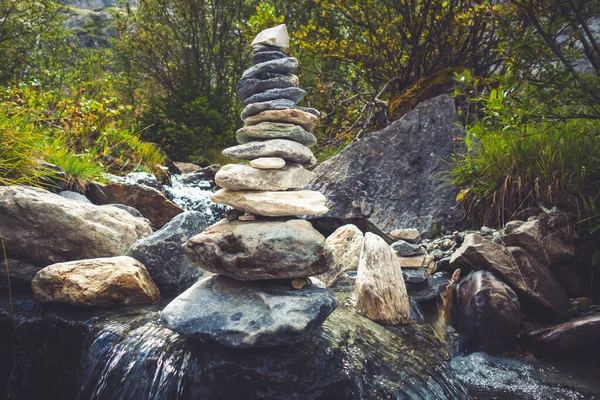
(96, 282)
(392, 176)
(488, 314)
(261, 249)
(162, 253)
(243, 177)
(150, 202)
(248, 314)
(380, 290)
(345, 244)
(537, 288)
(286, 149)
(273, 204)
(42, 228)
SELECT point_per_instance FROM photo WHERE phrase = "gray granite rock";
(294, 94)
(163, 255)
(279, 66)
(275, 130)
(248, 314)
(247, 87)
(286, 149)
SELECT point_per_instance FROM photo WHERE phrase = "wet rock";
(412, 152)
(162, 252)
(95, 282)
(261, 249)
(278, 65)
(535, 285)
(345, 244)
(149, 201)
(297, 117)
(243, 177)
(431, 290)
(265, 56)
(20, 274)
(276, 36)
(578, 339)
(405, 249)
(247, 87)
(74, 196)
(248, 314)
(488, 314)
(286, 149)
(275, 130)
(268, 163)
(273, 204)
(410, 235)
(42, 228)
(380, 290)
(294, 94)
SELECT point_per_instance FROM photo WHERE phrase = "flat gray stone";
(247, 87)
(286, 149)
(243, 177)
(263, 56)
(405, 249)
(294, 94)
(279, 104)
(281, 66)
(248, 314)
(275, 130)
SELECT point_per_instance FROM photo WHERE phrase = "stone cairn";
(262, 253)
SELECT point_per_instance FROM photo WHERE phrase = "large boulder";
(393, 177)
(380, 290)
(537, 288)
(96, 282)
(261, 249)
(346, 244)
(487, 315)
(42, 228)
(149, 201)
(248, 314)
(162, 252)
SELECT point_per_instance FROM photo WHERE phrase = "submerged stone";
(248, 314)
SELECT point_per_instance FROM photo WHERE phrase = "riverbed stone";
(162, 254)
(261, 249)
(273, 204)
(243, 177)
(42, 228)
(380, 290)
(268, 163)
(248, 314)
(276, 36)
(96, 282)
(247, 87)
(275, 130)
(410, 235)
(405, 249)
(289, 150)
(297, 117)
(280, 66)
(278, 104)
(346, 244)
(294, 94)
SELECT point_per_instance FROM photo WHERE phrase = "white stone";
(273, 204)
(244, 177)
(268, 163)
(276, 36)
(380, 290)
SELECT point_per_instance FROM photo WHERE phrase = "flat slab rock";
(261, 249)
(294, 94)
(273, 204)
(248, 314)
(304, 119)
(287, 149)
(243, 177)
(275, 130)
(278, 104)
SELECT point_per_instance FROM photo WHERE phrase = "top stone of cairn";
(276, 36)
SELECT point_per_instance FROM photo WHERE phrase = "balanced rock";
(163, 255)
(243, 177)
(488, 314)
(346, 244)
(42, 228)
(260, 249)
(279, 66)
(294, 94)
(268, 163)
(247, 87)
(265, 56)
(275, 130)
(286, 149)
(96, 282)
(278, 104)
(297, 117)
(380, 290)
(261, 48)
(248, 314)
(273, 204)
(276, 36)
(533, 282)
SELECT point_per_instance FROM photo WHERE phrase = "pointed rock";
(276, 36)
(297, 117)
(286, 149)
(275, 130)
(273, 204)
(243, 177)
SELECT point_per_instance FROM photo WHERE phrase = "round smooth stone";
(294, 94)
(268, 163)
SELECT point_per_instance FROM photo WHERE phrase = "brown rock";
(187, 168)
(96, 282)
(290, 116)
(148, 201)
(537, 288)
(346, 244)
(380, 290)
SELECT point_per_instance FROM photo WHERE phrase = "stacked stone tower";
(263, 254)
